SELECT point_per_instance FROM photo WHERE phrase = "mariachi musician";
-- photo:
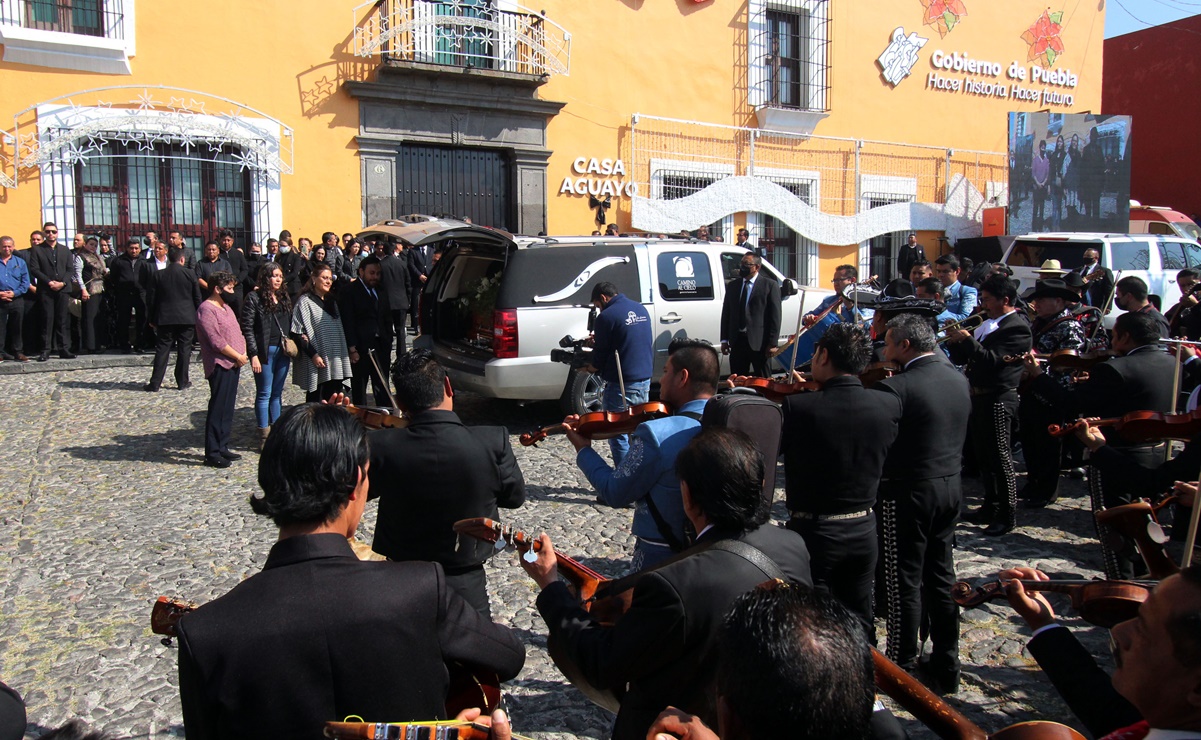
(1139, 379)
(832, 310)
(663, 649)
(1055, 328)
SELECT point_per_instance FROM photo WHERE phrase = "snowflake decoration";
(146, 101)
(1043, 38)
(245, 160)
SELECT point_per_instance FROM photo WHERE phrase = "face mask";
(744, 271)
(1089, 260)
(285, 250)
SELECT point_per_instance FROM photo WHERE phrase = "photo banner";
(1068, 172)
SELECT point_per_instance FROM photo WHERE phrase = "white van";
(496, 306)
(1153, 257)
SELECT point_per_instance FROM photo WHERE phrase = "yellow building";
(829, 128)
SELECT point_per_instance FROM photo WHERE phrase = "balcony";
(463, 34)
(85, 35)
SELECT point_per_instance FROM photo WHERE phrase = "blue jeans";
(269, 386)
(636, 393)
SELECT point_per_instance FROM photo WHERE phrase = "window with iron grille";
(89, 35)
(127, 191)
(69, 16)
(676, 185)
(788, 54)
(789, 251)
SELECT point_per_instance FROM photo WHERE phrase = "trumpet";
(970, 322)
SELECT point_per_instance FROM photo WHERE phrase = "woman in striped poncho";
(324, 361)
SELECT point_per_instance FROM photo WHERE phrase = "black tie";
(742, 307)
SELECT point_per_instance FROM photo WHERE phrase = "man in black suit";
(421, 261)
(174, 297)
(319, 634)
(52, 265)
(835, 442)
(663, 650)
(397, 284)
(1098, 279)
(993, 356)
(750, 318)
(129, 277)
(1153, 690)
(237, 262)
(174, 239)
(908, 255)
(361, 322)
(449, 472)
(291, 263)
(28, 302)
(1139, 380)
(920, 499)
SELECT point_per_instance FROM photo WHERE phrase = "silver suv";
(498, 309)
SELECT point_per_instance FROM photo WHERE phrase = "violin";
(1137, 522)
(1140, 426)
(603, 424)
(377, 418)
(774, 390)
(943, 719)
(1103, 603)
(878, 371)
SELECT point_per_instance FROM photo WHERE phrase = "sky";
(1124, 16)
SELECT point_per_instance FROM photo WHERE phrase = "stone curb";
(83, 362)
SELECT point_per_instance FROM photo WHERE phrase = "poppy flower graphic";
(1043, 38)
(943, 15)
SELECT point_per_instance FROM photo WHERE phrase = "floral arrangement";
(943, 15)
(480, 296)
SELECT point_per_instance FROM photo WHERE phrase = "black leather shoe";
(941, 682)
(185, 386)
(982, 515)
(1003, 524)
(67, 355)
(6, 356)
(1040, 503)
(149, 388)
(44, 357)
(219, 462)
(229, 455)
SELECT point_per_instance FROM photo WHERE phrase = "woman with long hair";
(266, 321)
(324, 361)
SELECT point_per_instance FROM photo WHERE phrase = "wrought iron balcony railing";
(463, 33)
(100, 18)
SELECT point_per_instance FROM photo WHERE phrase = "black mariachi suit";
(920, 498)
(53, 263)
(431, 474)
(128, 278)
(421, 261)
(835, 442)
(174, 297)
(1139, 381)
(994, 381)
(665, 645)
(362, 320)
(1085, 688)
(754, 331)
(319, 635)
(396, 289)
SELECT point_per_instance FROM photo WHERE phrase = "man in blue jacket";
(622, 330)
(647, 476)
(960, 299)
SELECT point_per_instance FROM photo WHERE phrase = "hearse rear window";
(685, 276)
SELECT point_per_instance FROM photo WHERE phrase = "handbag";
(287, 344)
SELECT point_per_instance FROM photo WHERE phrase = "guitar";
(604, 598)
(469, 687)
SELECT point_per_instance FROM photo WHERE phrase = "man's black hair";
(420, 381)
(700, 359)
(368, 261)
(724, 473)
(913, 328)
(848, 347)
(848, 268)
(607, 290)
(1188, 273)
(793, 662)
(174, 254)
(1142, 328)
(920, 263)
(219, 280)
(222, 233)
(931, 285)
(1133, 286)
(948, 260)
(310, 464)
(1000, 287)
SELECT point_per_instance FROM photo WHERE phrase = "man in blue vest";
(622, 330)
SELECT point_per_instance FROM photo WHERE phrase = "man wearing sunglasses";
(52, 266)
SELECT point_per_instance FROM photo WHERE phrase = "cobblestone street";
(107, 506)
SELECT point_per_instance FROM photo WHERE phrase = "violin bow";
(796, 346)
(621, 380)
(380, 375)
